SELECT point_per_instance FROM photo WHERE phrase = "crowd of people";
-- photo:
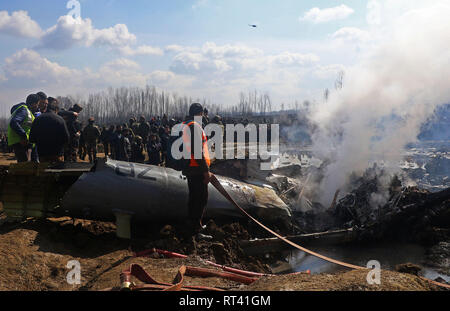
(40, 130)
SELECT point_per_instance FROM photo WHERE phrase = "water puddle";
(389, 255)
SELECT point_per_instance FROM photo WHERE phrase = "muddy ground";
(34, 255)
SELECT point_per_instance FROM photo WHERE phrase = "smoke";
(386, 98)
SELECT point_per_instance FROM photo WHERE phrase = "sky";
(199, 48)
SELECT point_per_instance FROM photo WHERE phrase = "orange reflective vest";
(187, 139)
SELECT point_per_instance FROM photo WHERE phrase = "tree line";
(118, 105)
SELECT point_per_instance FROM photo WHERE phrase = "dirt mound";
(34, 253)
(346, 281)
(408, 268)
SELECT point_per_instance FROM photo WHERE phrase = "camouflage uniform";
(71, 148)
(74, 128)
(82, 151)
(137, 151)
(133, 126)
(144, 131)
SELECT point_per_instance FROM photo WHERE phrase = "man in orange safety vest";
(196, 167)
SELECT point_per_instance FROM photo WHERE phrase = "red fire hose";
(151, 284)
(225, 268)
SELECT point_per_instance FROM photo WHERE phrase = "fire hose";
(151, 284)
(224, 268)
(216, 183)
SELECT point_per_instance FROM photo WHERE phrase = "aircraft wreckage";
(113, 190)
(128, 192)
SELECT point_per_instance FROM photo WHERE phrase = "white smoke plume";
(386, 97)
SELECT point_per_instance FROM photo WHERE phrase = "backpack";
(176, 164)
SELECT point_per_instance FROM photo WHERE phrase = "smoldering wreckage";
(148, 200)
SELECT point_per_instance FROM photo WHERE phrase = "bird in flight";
(254, 26)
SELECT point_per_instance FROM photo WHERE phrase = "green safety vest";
(13, 137)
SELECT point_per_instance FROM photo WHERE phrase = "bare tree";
(117, 105)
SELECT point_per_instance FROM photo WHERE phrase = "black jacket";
(122, 148)
(49, 132)
(154, 153)
(73, 125)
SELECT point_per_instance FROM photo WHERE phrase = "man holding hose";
(196, 166)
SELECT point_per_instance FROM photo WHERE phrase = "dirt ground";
(7, 159)
(34, 255)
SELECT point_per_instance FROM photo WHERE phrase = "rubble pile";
(360, 207)
(378, 207)
(218, 243)
(408, 213)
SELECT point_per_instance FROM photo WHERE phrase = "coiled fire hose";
(250, 274)
(216, 183)
(151, 284)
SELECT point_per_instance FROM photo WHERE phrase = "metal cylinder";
(152, 193)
